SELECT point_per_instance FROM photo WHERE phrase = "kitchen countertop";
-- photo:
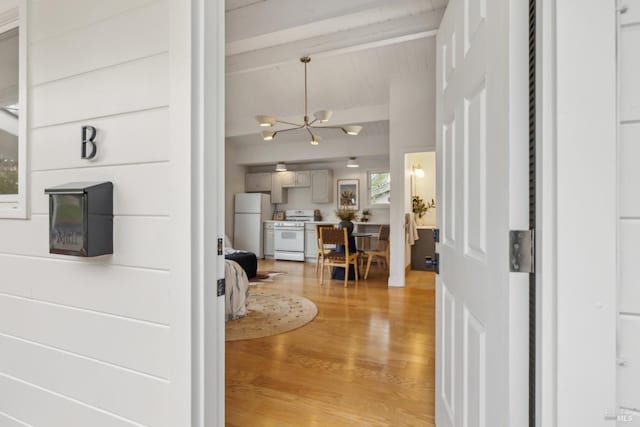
(332, 222)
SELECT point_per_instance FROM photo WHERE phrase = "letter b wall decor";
(89, 134)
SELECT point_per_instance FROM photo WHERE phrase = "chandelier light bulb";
(323, 115)
(266, 121)
(315, 140)
(268, 135)
(352, 130)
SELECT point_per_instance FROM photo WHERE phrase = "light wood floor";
(368, 359)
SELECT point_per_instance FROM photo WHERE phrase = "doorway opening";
(421, 200)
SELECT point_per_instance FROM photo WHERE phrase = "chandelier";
(321, 116)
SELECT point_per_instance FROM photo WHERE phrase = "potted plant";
(346, 216)
(419, 206)
(365, 215)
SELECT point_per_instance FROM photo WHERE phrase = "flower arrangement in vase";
(346, 214)
(420, 207)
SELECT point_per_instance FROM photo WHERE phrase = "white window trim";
(371, 204)
(15, 206)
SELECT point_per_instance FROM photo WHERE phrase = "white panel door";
(478, 141)
(629, 216)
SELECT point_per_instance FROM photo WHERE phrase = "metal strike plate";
(436, 235)
(221, 287)
(219, 246)
(521, 251)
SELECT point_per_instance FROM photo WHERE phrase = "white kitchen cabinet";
(287, 179)
(303, 179)
(268, 239)
(254, 182)
(292, 179)
(321, 186)
(278, 192)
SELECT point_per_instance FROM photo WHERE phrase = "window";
(12, 117)
(379, 188)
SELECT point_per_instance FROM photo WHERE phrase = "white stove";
(289, 235)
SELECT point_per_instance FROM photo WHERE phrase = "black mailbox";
(81, 219)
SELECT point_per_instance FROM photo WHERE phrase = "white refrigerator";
(251, 210)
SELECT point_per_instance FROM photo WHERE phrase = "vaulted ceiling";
(355, 48)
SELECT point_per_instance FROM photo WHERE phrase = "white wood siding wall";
(90, 342)
(629, 212)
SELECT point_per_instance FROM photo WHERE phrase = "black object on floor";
(247, 260)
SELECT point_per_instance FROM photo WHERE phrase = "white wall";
(234, 183)
(94, 342)
(585, 308)
(628, 391)
(425, 186)
(300, 198)
(412, 129)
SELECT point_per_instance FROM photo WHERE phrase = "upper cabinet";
(255, 182)
(320, 182)
(321, 186)
(296, 179)
(303, 179)
(278, 193)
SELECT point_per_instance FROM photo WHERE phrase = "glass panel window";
(9, 113)
(379, 187)
(13, 112)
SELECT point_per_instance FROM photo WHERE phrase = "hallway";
(367, 359)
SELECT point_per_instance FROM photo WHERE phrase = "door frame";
(206, 157)
(574, 303)
(576, 136)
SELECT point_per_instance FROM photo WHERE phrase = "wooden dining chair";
(321, 251)
(337, 236)
(380, 252)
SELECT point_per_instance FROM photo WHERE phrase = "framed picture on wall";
(349, 194)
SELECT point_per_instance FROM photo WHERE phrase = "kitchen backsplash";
(300, 198)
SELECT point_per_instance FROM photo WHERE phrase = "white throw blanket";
(411, 228)
(236, 291)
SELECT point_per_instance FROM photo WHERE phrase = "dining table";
(363, 240)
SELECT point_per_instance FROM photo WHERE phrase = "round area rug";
(270, 313)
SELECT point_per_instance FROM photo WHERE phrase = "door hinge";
(221, 287)
(521, 251)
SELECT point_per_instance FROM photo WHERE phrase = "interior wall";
(92, 342)
(412, 129)
(300, 198)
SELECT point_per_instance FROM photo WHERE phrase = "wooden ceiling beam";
(366, 37)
